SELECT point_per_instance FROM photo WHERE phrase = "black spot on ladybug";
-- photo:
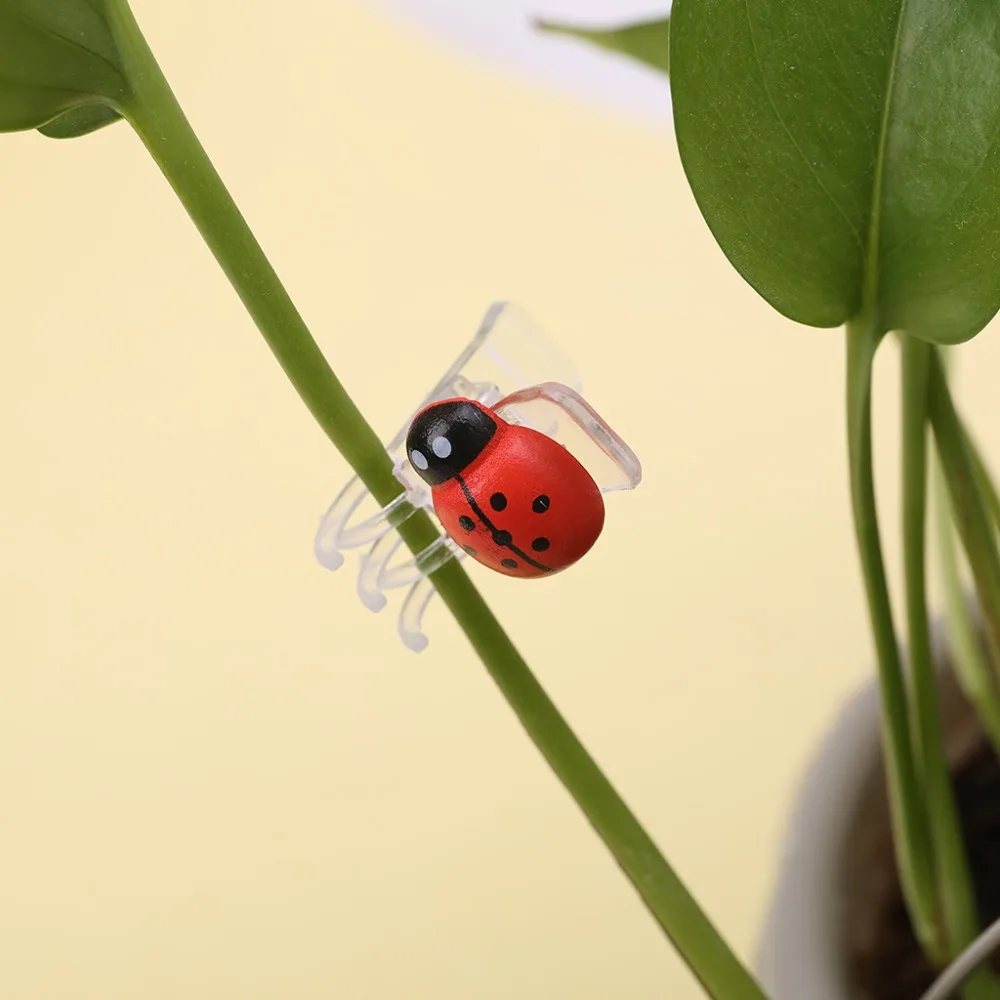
(540, 504)
(509, 563)
(466, 522)
(502, 537)
(540, 544)
(498, 501)
(469, 549)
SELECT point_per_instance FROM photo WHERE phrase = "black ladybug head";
(447, 437)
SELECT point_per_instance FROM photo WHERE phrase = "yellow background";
(219, 775)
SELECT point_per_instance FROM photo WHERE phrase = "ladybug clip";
(509, 458)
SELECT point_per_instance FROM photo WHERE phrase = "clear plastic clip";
(509, 365)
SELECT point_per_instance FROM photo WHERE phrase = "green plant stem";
(970, 507)
(908, 809)
(983, 478)
(971, 667)
(913, 357)
(954, 885)
(955, 897)
(987, 495)
(975, 674)
(160, 122)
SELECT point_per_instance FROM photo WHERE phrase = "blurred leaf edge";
(646, 41)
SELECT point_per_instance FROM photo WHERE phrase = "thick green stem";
(970, 506)
(909, 811)
(954, 885)
(158, 119)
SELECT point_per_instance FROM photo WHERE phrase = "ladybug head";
(447, 437)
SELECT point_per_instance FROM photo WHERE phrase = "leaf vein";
(45, 30)
(952, 202)
(875, 220)
(798, 149)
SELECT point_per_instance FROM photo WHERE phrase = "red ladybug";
(514, 499)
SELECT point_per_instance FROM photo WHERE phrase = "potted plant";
(833, 152)
(843, 157)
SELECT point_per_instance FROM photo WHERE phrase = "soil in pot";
(884, 960)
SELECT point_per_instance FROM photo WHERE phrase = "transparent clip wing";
(564, 415)
(509, 364)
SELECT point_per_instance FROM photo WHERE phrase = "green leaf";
(845, 154)
(80, 121)
(647, 41)
(60, 69)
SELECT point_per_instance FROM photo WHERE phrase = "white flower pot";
(801, 954)
(803, 950)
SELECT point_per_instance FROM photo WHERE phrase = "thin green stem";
(971, 667)
(158, 119)
(908, 810)
(913, 356)
(984, 480)
(954, 884)
(972, 517)
(988, 495)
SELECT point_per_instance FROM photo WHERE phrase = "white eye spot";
(441, 447)
(418, 459)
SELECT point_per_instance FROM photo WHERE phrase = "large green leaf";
(59, 67)
(647, 41)
(844, 153)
